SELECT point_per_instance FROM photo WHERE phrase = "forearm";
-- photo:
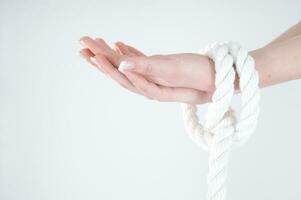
(279, 62)
(290, 33)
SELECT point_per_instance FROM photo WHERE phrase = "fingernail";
(82, 42)
(93, 60)
(126, 65)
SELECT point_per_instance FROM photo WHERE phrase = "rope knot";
(222, 128)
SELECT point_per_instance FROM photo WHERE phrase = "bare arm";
(280, 60)
(288, 34)
(190, 77)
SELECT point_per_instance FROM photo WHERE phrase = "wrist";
(258, 56)
(203, 76)
(211, 75)
(208, 83)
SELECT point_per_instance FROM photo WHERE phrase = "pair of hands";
(187, 78)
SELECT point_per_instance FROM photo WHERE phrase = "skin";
(189, 77)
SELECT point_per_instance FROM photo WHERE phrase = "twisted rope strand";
(221, 129)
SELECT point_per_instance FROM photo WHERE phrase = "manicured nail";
(126, 65)
(82, 42)
(93, 60)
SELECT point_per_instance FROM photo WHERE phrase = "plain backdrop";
(67, 132)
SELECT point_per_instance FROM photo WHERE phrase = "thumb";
(153, 65)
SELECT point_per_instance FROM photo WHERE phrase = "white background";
(67, 132)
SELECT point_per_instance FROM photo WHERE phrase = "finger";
(123, 50)
(162, 93)
(158, 69)
(144, 88)
(134, 50)
(128, 50)
(87, 55)
(150, 66)
(116, 48)
(99, 46)
(111, 71)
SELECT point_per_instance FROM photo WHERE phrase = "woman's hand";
(189, 78)
(185, 78)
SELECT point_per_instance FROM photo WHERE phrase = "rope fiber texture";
(222, 129)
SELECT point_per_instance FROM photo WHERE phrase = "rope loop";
(222, 128)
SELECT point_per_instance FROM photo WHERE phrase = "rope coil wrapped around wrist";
(222, 129)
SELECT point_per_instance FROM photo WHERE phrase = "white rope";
(222, 129)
